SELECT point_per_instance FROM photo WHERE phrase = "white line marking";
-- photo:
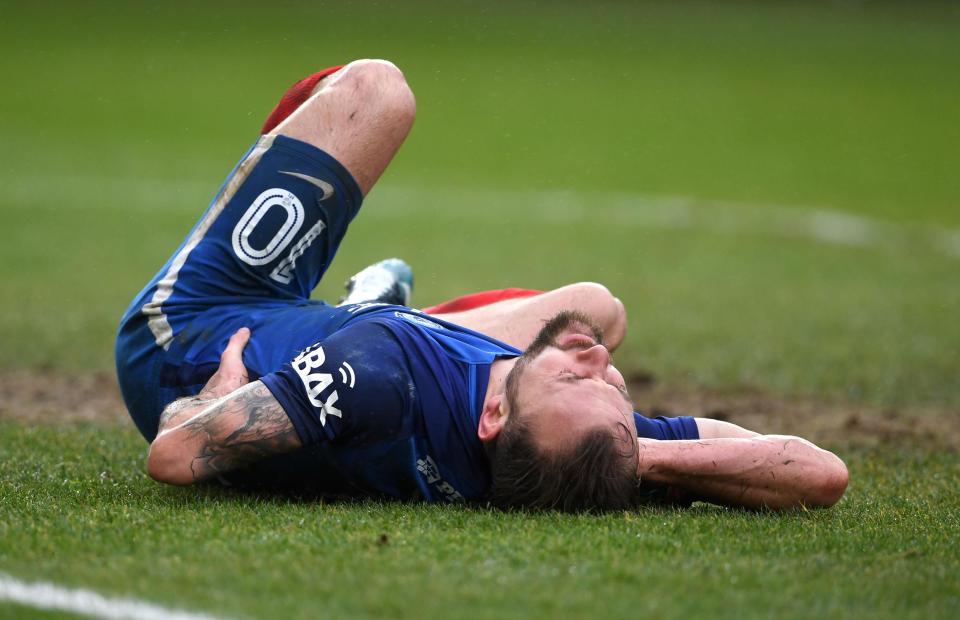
(41, 595)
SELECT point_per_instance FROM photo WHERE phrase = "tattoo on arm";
(181, 410)
(244, 427)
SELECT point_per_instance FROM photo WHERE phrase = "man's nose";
(596, 359)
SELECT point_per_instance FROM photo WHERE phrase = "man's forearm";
(775, 471)
(220, 435)
(181, 410)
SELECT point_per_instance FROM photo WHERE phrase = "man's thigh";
(277, 222)
(267, 238)
(269, 234)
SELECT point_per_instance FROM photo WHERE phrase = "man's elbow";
(167, 463)
(831, 483)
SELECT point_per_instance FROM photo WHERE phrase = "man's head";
(562, 433)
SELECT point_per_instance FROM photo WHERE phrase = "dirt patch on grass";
(822, 421)
(42, 397)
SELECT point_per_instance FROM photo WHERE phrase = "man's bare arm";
(230, 424)
(241, 428)
(518, 321)
(230, 376)
(773, 471)
(709, 428)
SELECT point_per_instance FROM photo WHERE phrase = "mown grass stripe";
(643, 211)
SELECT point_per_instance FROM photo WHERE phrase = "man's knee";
(360, 117)
(378, 84)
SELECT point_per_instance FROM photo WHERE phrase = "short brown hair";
(597, 474)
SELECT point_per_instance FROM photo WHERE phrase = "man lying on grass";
(230, 370)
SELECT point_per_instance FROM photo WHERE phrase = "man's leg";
(265, 240)
(279, 219)
(517, 321)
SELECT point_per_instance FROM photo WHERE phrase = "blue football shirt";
(393, 399)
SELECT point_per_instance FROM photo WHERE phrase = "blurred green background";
(771, 188)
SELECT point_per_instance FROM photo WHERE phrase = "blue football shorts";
(252, 260)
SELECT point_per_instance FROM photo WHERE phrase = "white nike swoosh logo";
(326, 187)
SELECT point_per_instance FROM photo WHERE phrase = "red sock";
(292, 99)
(477, 300)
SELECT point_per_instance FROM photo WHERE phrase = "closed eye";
(568, 376)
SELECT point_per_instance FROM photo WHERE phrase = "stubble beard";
(547, 337)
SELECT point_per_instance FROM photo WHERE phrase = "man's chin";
(566, 322)
(579, 328)
(574, 338)
(578, 325)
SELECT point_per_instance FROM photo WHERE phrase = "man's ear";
(492, 418)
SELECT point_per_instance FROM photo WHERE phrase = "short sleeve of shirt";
(352, 388)
(664, 428)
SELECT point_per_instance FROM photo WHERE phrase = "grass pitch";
(769, 187)
(77, 509)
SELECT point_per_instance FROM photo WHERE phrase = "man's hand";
(230, 375)
(229, 425)
(772, 471)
